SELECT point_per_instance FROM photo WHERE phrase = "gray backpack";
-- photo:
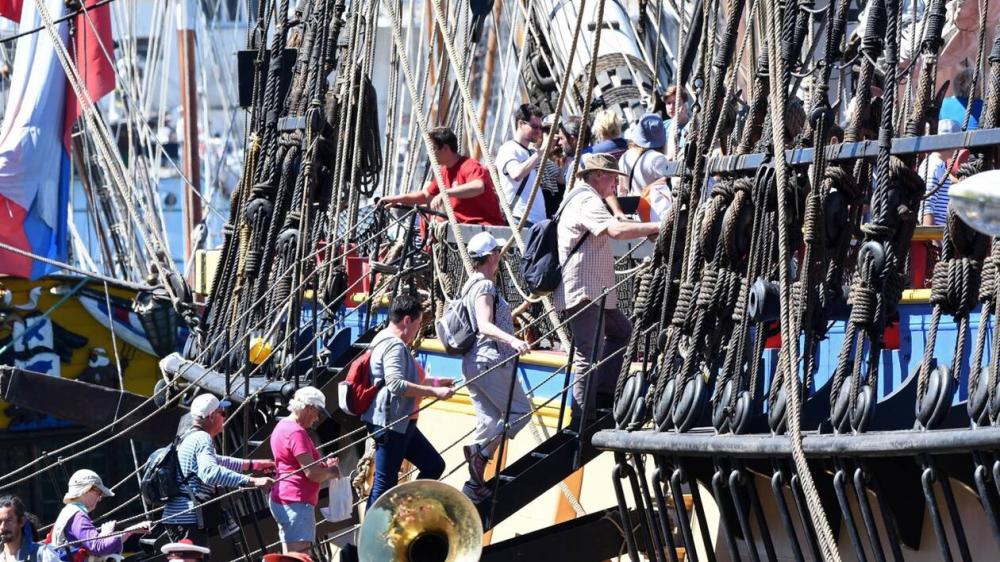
(456, 328)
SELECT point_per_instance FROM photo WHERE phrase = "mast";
(189, 103)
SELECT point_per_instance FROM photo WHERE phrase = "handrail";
(977, 138)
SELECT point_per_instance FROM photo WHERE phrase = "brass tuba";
(421, 521)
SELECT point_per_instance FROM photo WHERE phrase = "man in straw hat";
(74, 529)
(585, 231)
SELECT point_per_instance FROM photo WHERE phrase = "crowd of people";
(590, 198)
(293, 480)
(585, 196)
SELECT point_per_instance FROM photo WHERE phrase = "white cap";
(185, 546)
(949, 126)
(312, 396)
(82, 481)
(205, 404)
(483, 243)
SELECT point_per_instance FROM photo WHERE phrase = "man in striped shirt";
(202, 471)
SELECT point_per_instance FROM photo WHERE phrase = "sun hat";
(648, 132)
(312, 396)
(483, 244)
(205, 404)
(603, 162)
(82, 481)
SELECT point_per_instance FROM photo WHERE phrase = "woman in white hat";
(74, 525)
(297, 484)
(495, 344)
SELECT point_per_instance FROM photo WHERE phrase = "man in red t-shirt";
(467, 184)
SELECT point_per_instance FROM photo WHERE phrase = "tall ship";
(227, 198)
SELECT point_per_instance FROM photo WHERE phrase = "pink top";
(289, 440)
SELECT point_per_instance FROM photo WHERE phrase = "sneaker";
(477, 464)
(476, 492)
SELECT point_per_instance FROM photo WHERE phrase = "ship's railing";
(848, 151)
(875, 486)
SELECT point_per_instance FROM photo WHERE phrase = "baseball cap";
(949, 126)
(312, 396)
(82, 481)
(184, 548)
(602, 161)
(482, 244)
(205, 404)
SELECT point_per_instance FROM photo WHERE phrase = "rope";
(471, 115)
(563, 90)
(789, 348)
(169, 402)
(422, 125)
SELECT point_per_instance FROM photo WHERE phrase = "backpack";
(356, 392)
(455, 328)
(56, 539)
(540, 259)
(159, 481)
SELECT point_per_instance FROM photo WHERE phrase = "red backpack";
(356, 392)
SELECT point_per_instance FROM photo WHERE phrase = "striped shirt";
(196, 457)
(934, 171)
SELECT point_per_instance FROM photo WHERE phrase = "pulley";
(934, 404)
(630, 408)
(836, 218)
(690, 403)
(776, 413)
(844, 417)
(661, 410)
(978, 403)
(733, 418)
(764, 302)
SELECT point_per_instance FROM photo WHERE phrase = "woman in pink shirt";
(296, 487)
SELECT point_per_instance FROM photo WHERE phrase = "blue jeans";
(390, 450)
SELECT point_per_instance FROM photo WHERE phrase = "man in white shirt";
(517, 162)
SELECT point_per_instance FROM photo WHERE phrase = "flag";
(93, 53)
(34, 166)
(11, 9)
(35, 137)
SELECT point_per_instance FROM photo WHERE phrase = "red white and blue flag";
(35, 138)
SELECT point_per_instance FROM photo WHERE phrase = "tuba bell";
(421, 521)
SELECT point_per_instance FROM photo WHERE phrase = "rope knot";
(954, 286)
(683, 305)
(863, 301)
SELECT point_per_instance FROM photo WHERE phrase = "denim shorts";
(296, 521)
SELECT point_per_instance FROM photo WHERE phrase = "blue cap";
(648, 132)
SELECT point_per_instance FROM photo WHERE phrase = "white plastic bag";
(341, 500)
